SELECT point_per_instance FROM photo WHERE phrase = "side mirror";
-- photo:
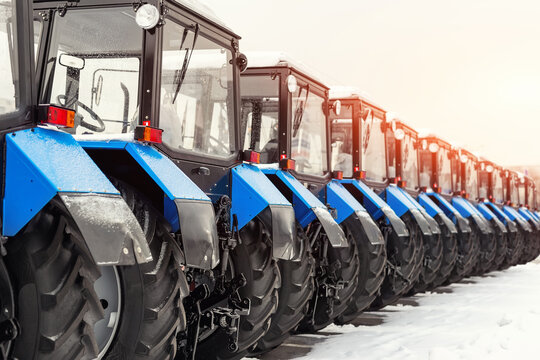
(71, 61)
(242, 62)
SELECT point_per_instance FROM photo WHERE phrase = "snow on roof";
(277, 58)
(343, 92)
(205, 11)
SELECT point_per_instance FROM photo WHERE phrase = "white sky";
(468, 70)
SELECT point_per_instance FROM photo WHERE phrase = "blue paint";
(39, 164)
(252, 192)
(431, 208)
(397, 200)
(511, 213)
(444, 205)
(524, 212)
(485, 211)
(498, 212)
(371, 201)
(340, 199)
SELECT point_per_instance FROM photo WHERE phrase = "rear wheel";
(53, 278)
(514, 249)
(433, 258)
(467, 255)
(371, 274)
(336, 278)
(420, 251)
(488, 250)
(449, 255)
(253, 258)
(297, 287)
(502, 248)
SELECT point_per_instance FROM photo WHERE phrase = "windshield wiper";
(181, 74)
(299, 112)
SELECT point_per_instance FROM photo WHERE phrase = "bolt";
(126, 251)
(139, 250)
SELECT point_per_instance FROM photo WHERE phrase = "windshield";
(197, 93)
(93, 67)
(471, 179)
(522, 197)
(260, 114)
(426, 168)
(483, 184)
(373, 149)
(308, 146)
(445, 171)
(342, 145)
(514, 193)
(498, 186)
(456, 173)
(8, 63)
(530, 195)
(409, 158)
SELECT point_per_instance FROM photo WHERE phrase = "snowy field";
(496, 316)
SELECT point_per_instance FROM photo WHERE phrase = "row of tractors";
(164, 197)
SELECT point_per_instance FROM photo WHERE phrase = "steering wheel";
(221, 144)
(101, 125)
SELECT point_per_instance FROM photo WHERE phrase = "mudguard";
(401, 204)
(307, 207)
(450, 211)
(515, 216)
(346, 205)
(186, 206)
(433, 225)
(511, 225)
(467, 210)
(253, 192)
(434, 211)
(490, 216)
(43, 163)
(375, 206)
(523, 211)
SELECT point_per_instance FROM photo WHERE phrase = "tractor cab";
(436, 159)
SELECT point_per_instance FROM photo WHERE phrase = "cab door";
(16, 64)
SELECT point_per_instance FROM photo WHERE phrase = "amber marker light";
(56, 115)
(148, 134)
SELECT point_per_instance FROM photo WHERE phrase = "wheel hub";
(108, 290)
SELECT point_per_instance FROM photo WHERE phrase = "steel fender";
(422, 222)
(402, 204)
(186, 206)
(530, 218)
(41, 163)
(448, 223)
(371, 229)
(369, 199)
(490, 216)
(307, 207)
(340, 199)
(515, 216)
(253, 192)
(435, 211)
(397, 224)
(433, 225)
(502, 216)
(469, 211)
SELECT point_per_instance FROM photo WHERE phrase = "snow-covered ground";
(492, 317)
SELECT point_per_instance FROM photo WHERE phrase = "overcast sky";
(469, 70)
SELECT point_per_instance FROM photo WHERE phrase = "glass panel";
(342, 146)
(196, 112)
(373, 149)
(93, 68)
(308, 145)
(391, 155)
(521, 191)
(456, 173)
(260, 114)
(471, 180)
(426, 168)
(410, 161)
(514, 195)
(530, 197)
(445, 171)
(38, 28)
(8, 59)
(483, 184)
(498, 191)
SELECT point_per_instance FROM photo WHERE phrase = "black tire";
(468, 249)
(253, 258)
(371, 274)
(515, 244)
(433, 258)
(528, 246)
(502, 248)
(488, 250)
(297, 287)
(152, 313)
(343, 266)
(400, 267)
(449, 255)
(419, 256)
(53, 275)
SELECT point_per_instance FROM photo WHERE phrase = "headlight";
(147, 16)
(337, 107)
(464, 158)
(489, 168)
(399, 134)
(292, 84)
(433, 147)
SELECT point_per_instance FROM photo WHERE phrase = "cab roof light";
(338, 175)
(56, 115)
(287, 164)
(252, 156)
(148, 134)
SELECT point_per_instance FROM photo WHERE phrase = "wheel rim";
(108, 290)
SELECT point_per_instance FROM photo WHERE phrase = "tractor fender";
(490, 216)
(465, 208)
(433, 225)
(515, 216)
(253, 192)
(307, 207)
(511, 225)
(451, 212)
(523, 211)
(44, 163)
(347, 206)
(434, 211)
(401, 204)
(186, 207)
(375, 206)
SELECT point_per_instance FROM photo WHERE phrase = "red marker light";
(356, 168)
(148, 134)
(402, 183)
(55, 115)
(287, 164)
(338, 175)
(283, 156)
(252, 156)
(360, 175)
